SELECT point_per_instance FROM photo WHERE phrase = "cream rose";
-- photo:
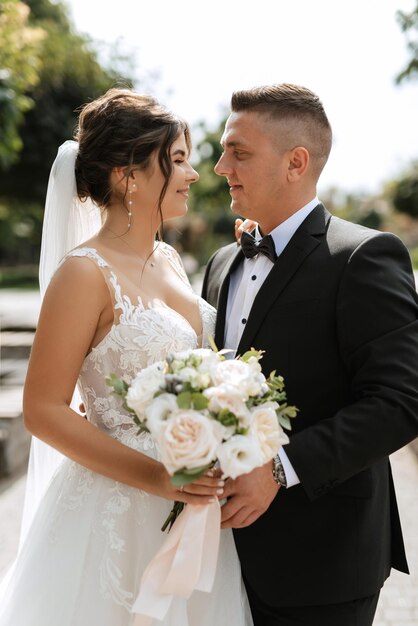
(226, 396)
(189, 439)
(144, 386)
(239, 455)
(266, 428)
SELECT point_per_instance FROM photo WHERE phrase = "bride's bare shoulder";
(78, 278)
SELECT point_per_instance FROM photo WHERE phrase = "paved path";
(19, 309)
(398, 604)
(399, 599)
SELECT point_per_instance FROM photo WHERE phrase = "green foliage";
(405, 193)
(414, 257)
(39, 98)
(20, 49)
(20, 232)
(409, 25)
(192, 400)
(70, 75)
(119, 386)
(186, 476)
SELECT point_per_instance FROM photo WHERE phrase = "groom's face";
(254, 164)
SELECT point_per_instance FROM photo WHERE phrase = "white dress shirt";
(244, 285)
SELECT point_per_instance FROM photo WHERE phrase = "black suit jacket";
(338, 317)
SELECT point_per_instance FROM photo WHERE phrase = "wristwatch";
(278, 472)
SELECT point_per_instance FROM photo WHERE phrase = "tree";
(20, 62)
(69, 75)
(409, 25)
(405, 192)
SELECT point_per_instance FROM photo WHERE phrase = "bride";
(118, 301)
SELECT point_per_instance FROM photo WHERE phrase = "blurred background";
(360, 57)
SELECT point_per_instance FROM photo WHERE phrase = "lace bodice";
(138, 337)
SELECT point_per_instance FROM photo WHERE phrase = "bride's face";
(183, 175)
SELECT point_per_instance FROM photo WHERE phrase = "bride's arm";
(74, 307)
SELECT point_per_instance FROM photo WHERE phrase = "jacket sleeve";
(377, 333)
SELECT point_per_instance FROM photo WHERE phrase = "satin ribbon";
(186, 561)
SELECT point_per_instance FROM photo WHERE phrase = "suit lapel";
(304, 241)
(230, 266)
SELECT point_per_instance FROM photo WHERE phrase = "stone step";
(13, 372)
(14, 438)
(16, 344)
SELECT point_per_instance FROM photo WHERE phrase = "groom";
(334, 307)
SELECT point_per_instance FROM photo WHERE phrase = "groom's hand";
(249, 496)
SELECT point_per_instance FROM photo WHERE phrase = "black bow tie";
(250, 246)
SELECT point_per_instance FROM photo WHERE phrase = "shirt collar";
(283, 233)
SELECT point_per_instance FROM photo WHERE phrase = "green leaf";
(275, 382)
(187, 476)
(184, 400)
(199, 401)
(250, 354)
(120, 387)
(226, 418)
(285, 422)
(212, 343)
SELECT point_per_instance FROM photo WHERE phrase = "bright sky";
(347, 52)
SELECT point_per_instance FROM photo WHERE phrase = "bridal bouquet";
(202, 409)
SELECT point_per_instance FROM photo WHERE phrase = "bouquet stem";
(174, 513)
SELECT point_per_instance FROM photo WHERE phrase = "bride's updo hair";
(123, 129)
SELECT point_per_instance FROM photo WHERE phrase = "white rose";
(266, 428)
(197, 379)
(144, 386)
(159, 410)
(188, 440)
(239, 455)
(210, 361)
(226, 396)
(241, 375)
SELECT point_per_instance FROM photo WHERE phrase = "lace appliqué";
(80, 484)
(89, 252)
(116, 506)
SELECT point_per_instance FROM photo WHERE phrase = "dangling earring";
(130, 203)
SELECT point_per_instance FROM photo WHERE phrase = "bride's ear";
(118, 176)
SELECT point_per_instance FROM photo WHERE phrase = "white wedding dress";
(92, 537)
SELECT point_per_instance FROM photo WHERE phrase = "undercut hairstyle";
(303, 111)
(123, 129)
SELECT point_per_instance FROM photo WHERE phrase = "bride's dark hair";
(123, 129)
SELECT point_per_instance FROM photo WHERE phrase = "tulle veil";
(67, 223)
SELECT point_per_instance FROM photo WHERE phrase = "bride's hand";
(241, 225)
(201, 491)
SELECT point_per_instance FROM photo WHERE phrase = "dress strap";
(119, 302)
(91, 253)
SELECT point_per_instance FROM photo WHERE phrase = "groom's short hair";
(300, 107)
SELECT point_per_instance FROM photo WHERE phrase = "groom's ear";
(298, 163)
